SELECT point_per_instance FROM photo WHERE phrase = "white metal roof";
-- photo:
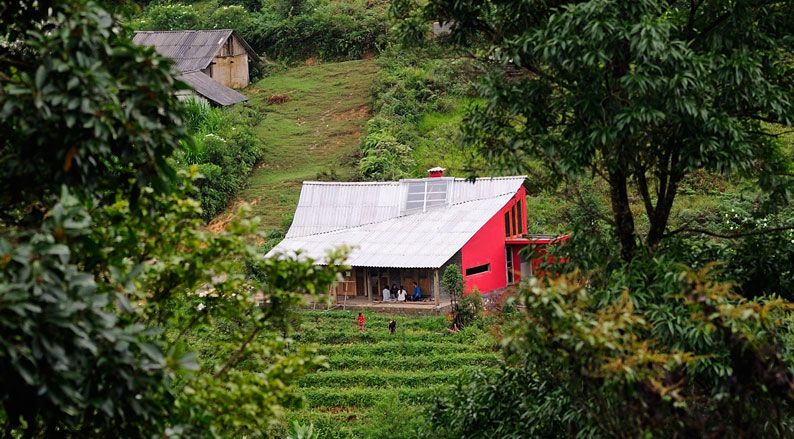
(370, 219)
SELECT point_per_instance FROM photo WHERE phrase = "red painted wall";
(487, 246)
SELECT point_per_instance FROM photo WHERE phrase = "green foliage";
(231, 17)
(465, 308)
(757, 257)
(452, 281)
(289, 30)
(76, 364)
(469, 308)
(298, 431)
(328, 31)
(625, 361)
(656, 92)
(415, 103)
(225, 150)
(106, 269)
(168, 16)
(379, 384)
(69, 117)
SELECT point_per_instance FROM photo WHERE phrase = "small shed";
(213, 62)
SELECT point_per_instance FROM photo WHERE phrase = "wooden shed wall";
(230, 65)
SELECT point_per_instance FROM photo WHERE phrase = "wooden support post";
(368, 289)
(436, 287)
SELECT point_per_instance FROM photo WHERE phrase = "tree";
(105, 266)
(452, 282)
(465, 308)
(168, 16)
(640, 93)
(585, 361)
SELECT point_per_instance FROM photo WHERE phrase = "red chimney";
(435, 172)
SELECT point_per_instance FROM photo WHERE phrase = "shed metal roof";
(367, 217)
(192, 50)
(212, 89)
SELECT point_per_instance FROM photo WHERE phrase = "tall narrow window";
(520, 219)
(515, 221)
(507, 223)
(509, 258)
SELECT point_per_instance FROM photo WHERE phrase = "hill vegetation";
(657, 133)
(379, 384)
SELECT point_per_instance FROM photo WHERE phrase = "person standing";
(386, 294)
(361, 321)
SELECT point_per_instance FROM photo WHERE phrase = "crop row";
(427, 323)
(399, 347)
(366, 397)
(381, 378)
(412, 363)
(336, 335)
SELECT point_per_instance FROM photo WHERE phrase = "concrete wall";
(230, 66)
(488, 246)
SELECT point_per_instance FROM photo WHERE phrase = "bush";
(331, 31)
(413, 84)
(225, 150)
(655, 351)
(168, 16)
(231, 17)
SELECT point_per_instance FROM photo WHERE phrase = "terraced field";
(378, 384)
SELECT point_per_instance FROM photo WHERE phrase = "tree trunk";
(621, 210)
(665, 196)
(658, 221)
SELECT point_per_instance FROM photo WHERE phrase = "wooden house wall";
(230, 65)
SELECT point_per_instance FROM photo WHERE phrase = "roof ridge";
(393, 182)
(184, 30)
(434, 208)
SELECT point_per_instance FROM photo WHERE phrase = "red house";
(407, 231)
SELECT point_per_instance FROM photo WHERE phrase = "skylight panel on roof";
(424, 194)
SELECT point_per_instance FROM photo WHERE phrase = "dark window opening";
(520, 218)
(507, 223)
(478, 269)
(509, 260)
(515, 221)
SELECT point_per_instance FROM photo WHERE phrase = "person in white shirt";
(401, 294)
(386, 294)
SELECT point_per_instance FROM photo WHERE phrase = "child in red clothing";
(361, 320)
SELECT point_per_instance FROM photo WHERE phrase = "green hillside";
(312, 135)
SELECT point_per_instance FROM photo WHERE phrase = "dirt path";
(311, 121)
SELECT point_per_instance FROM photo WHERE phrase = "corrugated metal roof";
(212, 89)
(367, 217)
(191, 49)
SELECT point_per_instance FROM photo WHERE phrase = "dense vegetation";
(224, 149)
(380, 385)
(105, 266)
(418, 104)
(658, 133)
(643, 119)
(287, 30)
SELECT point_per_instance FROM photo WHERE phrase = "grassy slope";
(316, 130)
(377, 384)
